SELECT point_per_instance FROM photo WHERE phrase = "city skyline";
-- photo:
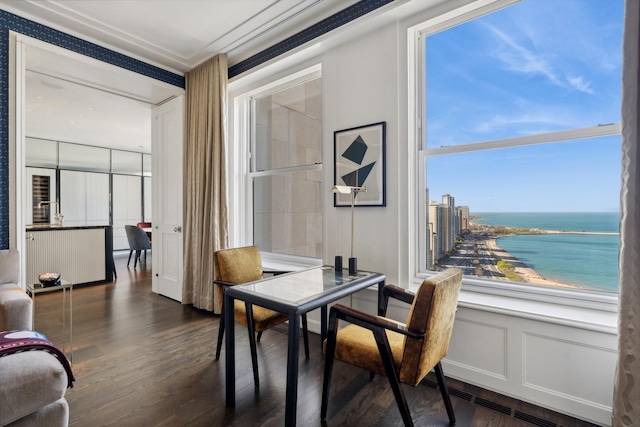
(534, 67)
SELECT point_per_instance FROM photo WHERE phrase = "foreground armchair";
(403, 352)
(243, 265)
(34, 375)
(15, 304)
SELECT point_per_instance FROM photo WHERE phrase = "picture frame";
(359, 158)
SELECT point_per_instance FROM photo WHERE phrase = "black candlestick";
(338, 263)
(353, 266)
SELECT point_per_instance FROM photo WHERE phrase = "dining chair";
(146, 224)
(242, 265)
(404, 352)
(138, 242)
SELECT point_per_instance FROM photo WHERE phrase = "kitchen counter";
(82, 254)
(40, 227)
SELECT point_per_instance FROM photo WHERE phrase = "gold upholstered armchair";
(403, 352)
(243, 265)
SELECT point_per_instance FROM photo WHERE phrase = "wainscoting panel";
(489, 343)
(558, 366)
(563, 368)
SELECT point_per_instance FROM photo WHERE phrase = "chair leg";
(392, 373)
(136, 259)
(305, 335)
(445, 394)
(259, 336)
(220, 333)
(328, 363)
(130, 252)
(252, 345)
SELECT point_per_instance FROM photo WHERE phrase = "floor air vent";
(429, 383)
(460, 394)
(492, 405)
(534, 420)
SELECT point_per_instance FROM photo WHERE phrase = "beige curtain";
(626, 400)
(206, 222)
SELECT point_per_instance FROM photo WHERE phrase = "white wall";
(360, 87)
(545, 358)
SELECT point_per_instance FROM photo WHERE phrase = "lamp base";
(353, 266)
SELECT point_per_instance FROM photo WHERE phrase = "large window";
(286, 167)
(521, 145)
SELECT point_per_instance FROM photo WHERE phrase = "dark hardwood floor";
(141, 359)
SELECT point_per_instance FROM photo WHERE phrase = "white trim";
(286, 171)
(519, 141)
(17, 171)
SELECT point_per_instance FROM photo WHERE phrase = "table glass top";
(300, 285)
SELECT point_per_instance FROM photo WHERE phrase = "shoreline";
(526, 273)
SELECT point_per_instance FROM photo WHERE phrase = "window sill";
(589, 310)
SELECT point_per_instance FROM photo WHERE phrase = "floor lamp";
(346, 189)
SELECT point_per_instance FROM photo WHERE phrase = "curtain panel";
(626, 400)
(206, 220)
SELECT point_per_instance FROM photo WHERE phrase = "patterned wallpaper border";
(336, 20)
(11, 22)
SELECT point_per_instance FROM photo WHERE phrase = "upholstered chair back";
(238, 265)
(432, 313)
(138, 239)
(9, 266)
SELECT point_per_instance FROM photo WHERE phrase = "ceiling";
(171, 34)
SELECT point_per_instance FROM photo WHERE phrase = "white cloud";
(518, 58)
(580, 84)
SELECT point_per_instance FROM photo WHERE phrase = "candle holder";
(346, 189)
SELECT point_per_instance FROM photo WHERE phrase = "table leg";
(323, 324)
(380, 298)
(71, 319)
(293, 358)
(33, 311)
(64, 320)
(229, 356)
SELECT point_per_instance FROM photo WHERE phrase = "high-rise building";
(462, 214)
(437, 231)
(450, 224)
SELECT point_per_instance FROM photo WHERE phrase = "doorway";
(38, 58)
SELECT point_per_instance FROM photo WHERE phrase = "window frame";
(592, 309)
(243, 229)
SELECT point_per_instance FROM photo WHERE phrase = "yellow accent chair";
(243, 265)
(403, 352)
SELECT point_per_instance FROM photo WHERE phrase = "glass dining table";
(293, 294)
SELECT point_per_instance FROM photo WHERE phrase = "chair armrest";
(224, 284)
(398, 293)
(368, 321)
(275, 272)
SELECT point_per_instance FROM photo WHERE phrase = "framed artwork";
(359, 161)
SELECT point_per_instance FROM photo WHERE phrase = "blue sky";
(537, 66)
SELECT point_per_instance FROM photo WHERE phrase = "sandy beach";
(528, 274)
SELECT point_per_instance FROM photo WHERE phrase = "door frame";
(18, 44)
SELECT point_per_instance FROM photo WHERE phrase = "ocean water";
(586, 260)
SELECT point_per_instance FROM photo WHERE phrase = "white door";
(167, 141)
